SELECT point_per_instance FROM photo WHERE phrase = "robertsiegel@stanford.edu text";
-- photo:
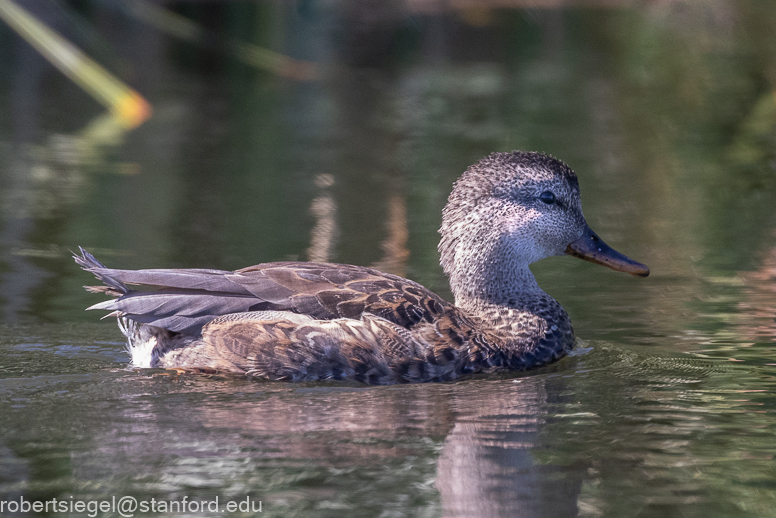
(127, 506)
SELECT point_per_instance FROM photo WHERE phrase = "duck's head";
(509, 210)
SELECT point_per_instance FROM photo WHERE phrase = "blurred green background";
(666, 110)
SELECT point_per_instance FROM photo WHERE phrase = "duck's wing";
(186, 299)
(326, 291)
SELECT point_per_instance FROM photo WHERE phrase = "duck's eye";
(547, 197)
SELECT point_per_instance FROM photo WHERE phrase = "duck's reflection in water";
(488, 466)
(472, 444)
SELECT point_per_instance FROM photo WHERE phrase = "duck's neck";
(497, 285)
(515, 316)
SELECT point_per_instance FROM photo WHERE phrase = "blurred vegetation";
(666, 111)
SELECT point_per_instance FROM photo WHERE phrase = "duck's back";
(182, 300)
(290, 320)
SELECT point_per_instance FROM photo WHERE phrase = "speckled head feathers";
(501, 174)
(505, 212)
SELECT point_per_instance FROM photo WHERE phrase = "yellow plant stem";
(129, 107)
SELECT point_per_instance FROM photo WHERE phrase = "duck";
(311, 321)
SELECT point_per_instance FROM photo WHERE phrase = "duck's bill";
(591, 248)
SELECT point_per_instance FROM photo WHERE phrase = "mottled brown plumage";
(312, 321)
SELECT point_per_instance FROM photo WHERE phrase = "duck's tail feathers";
(185, 279)
(176, 311)
(179, 299)
(113, 286)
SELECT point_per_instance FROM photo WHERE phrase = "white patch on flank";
(142, 353)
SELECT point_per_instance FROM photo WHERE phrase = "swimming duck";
(313, 321)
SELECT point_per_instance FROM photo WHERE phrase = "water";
(666, 408)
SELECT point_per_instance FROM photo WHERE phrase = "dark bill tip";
(591, 248)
